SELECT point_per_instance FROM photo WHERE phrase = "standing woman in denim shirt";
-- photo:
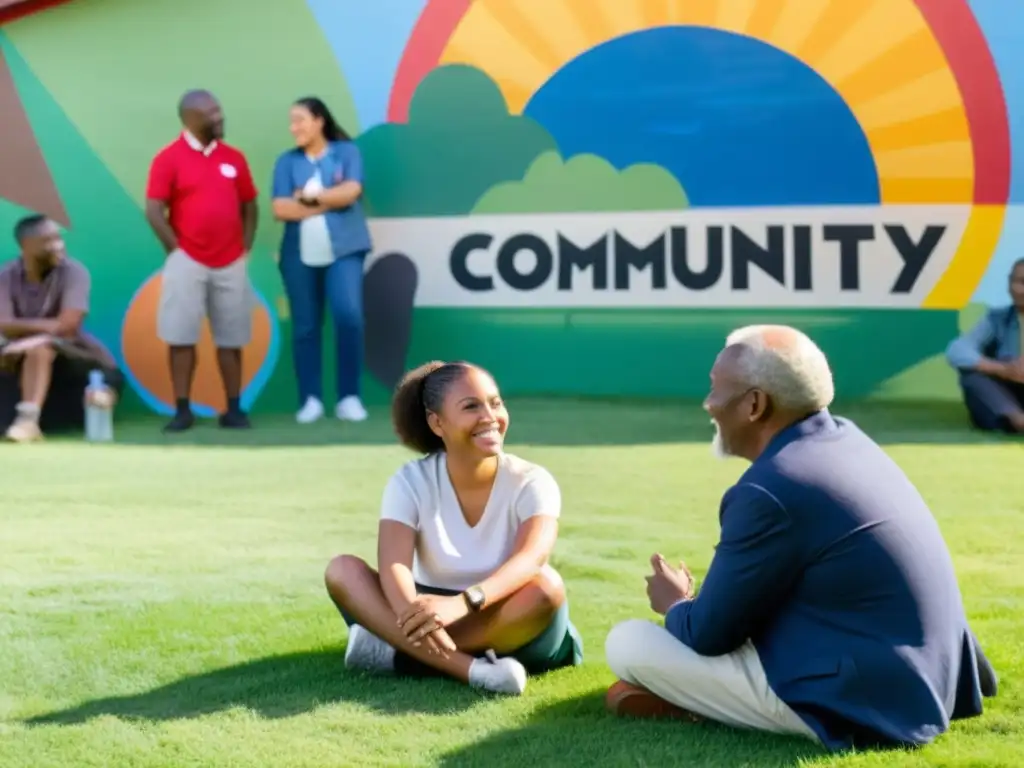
(317, 190)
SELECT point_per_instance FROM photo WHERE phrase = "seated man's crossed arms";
(45, 354)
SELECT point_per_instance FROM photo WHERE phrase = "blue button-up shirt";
(347, 226)
(996, 336)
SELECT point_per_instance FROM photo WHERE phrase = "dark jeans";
(339, 286)
(990, 400)
(64, 409)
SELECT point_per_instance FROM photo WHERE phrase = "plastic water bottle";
(99, 417)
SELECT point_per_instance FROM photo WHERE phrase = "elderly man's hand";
(668, 585)
(1015, 370)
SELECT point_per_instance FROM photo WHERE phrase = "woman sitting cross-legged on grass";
(464, 588)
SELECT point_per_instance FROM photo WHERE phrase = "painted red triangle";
(12, 10)
(25, 179)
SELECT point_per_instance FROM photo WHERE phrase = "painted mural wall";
(583, 195)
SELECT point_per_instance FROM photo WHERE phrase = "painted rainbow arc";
(917, 75)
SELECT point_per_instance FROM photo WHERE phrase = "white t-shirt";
(315, 249)
(449, 553)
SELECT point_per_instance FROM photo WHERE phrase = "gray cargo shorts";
(191, 292)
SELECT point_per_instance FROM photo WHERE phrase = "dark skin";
(1017, 285)
(41, 250)
(748, 420)
(521, 595)
(202, 116)
(1012, 370)
(308, 132)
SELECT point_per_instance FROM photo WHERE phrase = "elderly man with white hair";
(831, 608)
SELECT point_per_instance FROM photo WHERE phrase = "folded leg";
(993, 405)
(731, 689)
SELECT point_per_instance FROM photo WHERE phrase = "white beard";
(718, 448)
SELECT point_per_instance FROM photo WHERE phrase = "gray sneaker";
(368, 652)
(490, 673)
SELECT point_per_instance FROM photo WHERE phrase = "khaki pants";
(191, 292)
(731, 689)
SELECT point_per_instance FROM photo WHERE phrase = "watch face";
(476, 595)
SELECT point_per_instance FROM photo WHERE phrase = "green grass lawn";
(161, 601)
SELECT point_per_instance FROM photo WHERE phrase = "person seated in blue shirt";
(831, 607)
(990, 360)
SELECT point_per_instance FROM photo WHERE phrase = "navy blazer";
(833, 565)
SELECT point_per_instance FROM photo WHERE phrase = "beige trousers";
(731, 689)
(191, 292)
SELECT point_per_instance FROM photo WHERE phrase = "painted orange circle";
(145, 355)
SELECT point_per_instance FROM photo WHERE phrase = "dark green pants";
(557, 646)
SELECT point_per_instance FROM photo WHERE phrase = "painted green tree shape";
(459, 142)
(584, 183)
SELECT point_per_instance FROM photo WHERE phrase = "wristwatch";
(475, 598)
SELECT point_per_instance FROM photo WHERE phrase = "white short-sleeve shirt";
(449, 553)
(315, 248)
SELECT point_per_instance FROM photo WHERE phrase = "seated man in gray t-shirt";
(45, 355)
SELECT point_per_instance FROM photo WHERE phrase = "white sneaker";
(368, 652)
(313, 410)
(25, 428)
(350, 409)
(498, 675)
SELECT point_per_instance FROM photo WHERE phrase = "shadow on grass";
(565, 422)
(581, 732)
(273, 687)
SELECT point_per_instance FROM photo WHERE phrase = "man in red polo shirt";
(201, 203)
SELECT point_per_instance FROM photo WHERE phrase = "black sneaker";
(182, 422)
(234, 420)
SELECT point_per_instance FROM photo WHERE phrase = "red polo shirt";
(204, 190)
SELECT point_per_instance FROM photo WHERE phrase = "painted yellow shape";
(590, 19)
(482, 41)
(734, 15)
(796, 23)
(958, 283)
(556, 24)
(830, 28)
(896, 190)
(931, 161)
(936, 128)
(764, 19)
(917, 56)
(676, 10)
(935, 92)
(879, 55)
(622, 17)
(883, 25)
(697, 13)
(655, 13)
(517, 20)
(516, 94)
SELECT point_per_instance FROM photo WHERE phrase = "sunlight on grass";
(163, 604)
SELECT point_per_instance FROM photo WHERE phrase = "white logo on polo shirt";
(229, 171)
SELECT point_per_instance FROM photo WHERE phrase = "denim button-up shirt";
(347, 226)
(996, 336)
